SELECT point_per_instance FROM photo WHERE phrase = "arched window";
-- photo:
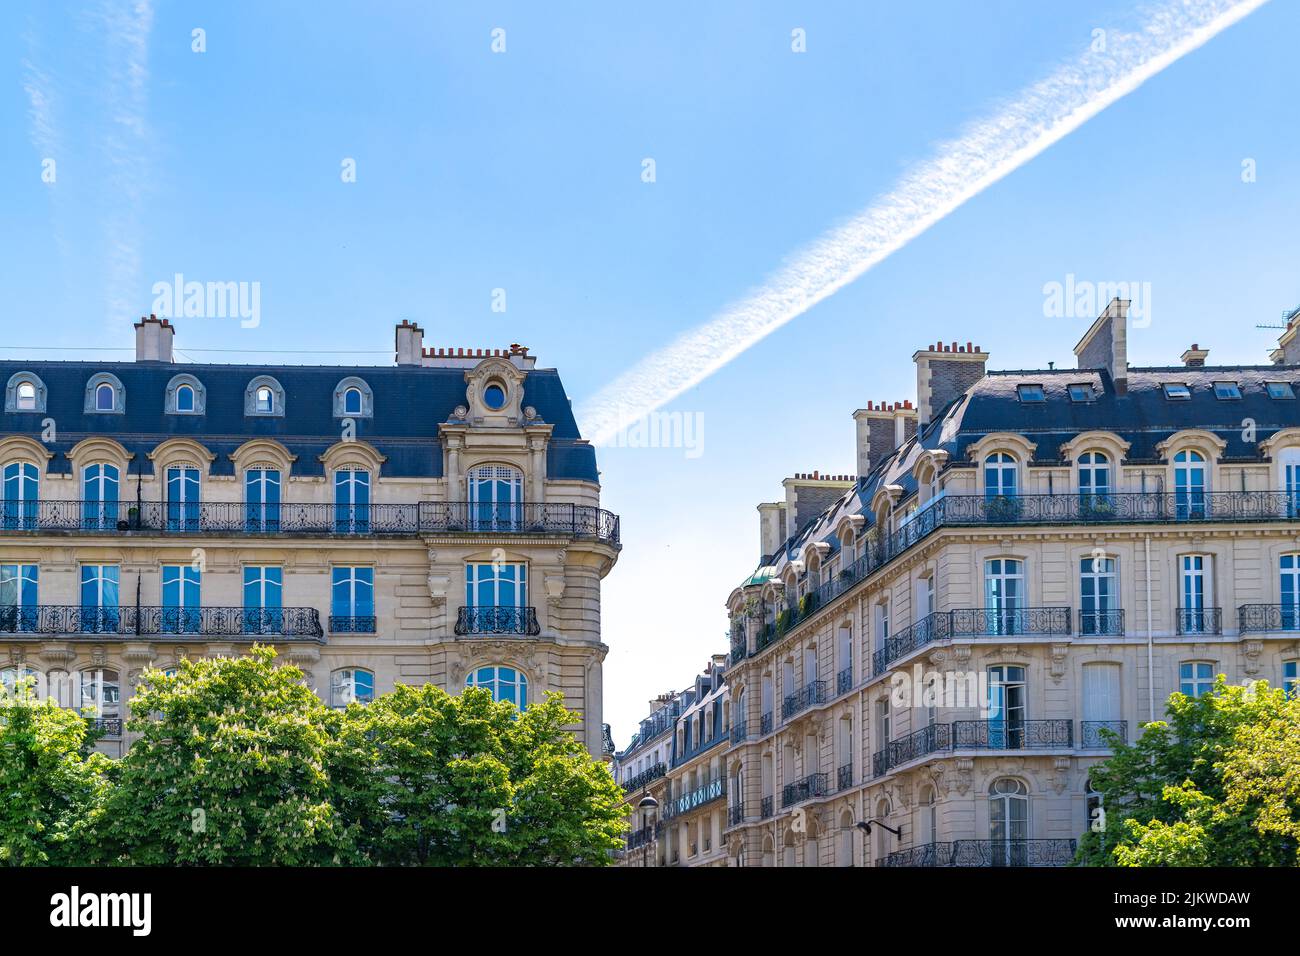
(1189, 485)
(25, 393)
(105, 395)
(1195, 678)
(504, 683)
(99, 496)
(353, 398)
(352, 401)
(351, 502)
(351, 685)
(10, 676)
(104, 398)
(21, 490)
(185, 399)
(999, 476)
(101, 700)
(1094, 481)
(182, 498)
(262, 498)
(1009, 822)
(264, 396)
(25, 398)
(185, 396)
(496, 494)
(265, 400)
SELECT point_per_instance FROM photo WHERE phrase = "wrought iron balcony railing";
(972, 623)
(107, 726)
(498, 620)
(765, 808)
(739, 732)
(645, 777)
(844, 681)
(1012, 734)
(1093, 736)
(986, 853)
(813, 785)
(226, 623)
(844, 777)
(765, 724)
(705, 793)
(735, 816)
(1108, 623)
(234, 517)
(809, 695)
(1201, 620)
(352, 624)
(1253, 618)
(917, 744)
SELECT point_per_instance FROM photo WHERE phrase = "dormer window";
(494, 396)
(25, 399)
(25, 392)
(265, 400)
(1227, 391)
(1081, 392)
(185, 399)
(264, 396)
(1282, 390)
(1031, 393)
(352, 401)
(104, 398)
(1177, 392)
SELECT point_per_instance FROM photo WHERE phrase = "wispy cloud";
(982, 154)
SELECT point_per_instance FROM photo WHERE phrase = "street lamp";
(647, 804)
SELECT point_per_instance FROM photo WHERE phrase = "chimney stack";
(882, 428)
(410, 343)
(771, 528)
(1195, 356)
(808, 495)
(944, 373)
(1105, 344)
(153, 340)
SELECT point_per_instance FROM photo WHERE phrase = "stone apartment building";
(437, 521)
(923, 672)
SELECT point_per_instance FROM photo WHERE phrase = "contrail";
(986, 151)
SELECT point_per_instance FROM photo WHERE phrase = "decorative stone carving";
(1060, 777)
(1252, 650)
(1057, 667)
(17, 655)
(58, 654)
(554, 589)
(99, 656)
(965, 774)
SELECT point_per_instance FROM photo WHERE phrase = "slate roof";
(409, 404)
(1142, 416)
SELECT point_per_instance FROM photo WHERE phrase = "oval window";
(494, 396)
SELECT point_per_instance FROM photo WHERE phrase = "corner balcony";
(986, 853)
(811, 694)
(972, 623)
(1261, 618)
(497, 620)
(308, 518)
(995, 734)
(41, 622)
(813, 785)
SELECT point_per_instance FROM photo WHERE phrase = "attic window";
(1225, 391)
(1081, 392)
(1031, 393)
(1280, 390)
(1178, 392)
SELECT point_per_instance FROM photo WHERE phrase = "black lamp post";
(646, 805)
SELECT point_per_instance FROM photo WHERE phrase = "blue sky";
(522, 171)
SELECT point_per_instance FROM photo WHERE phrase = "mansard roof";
(409, 404)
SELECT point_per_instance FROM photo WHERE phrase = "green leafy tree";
(52, 785)
(229, 769)
(1217, 784)
(436, 780)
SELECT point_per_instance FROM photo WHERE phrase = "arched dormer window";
(105, 395)
(1000, 476)
(353, 398)
(185, 396)
(264, 397)
(25, 393)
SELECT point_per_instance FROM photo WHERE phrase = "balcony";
(352, 624)
(1103, 623)
(811, 694)
(645, 777)
(639, 838)
(735, 816)
(972, 623)
(498, 620)
(39, 622)
(1093, 733)
(813, 785)
(1254, 618)
(986, 853)
(1203, 620)
(106, 726)
(705, 793)
(765, 724)
(765, 808)
(1012, 734)
(844, 777)
(844, 681)
(739, 732)
(917, 744)
(312, 518)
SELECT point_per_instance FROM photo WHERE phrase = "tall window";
(262, 499)
(999, 475)
(1094, 480)
(352, 403)
(351, 502)
(496, 497)
(1101, 703)
(1009, 822)
(1192, 616)
(21, 493)
(101, 698)
(882, 723)
(352, 600)
(352, 685)
(928, 830)
(19, 607)
(105, 398)
(99, 493)
(1006, 707)
(1290, 591)
(184, 398)
(182, 498)
(1291, 480)
(263, 611)
(25, 397)
(496, 599)
(182, 612)
(1004, 585)
(504, 683)
(1189, 485)
(100, 592)
(1291, 678)
(1195, 677)
(881, 614)
(1097, 596)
